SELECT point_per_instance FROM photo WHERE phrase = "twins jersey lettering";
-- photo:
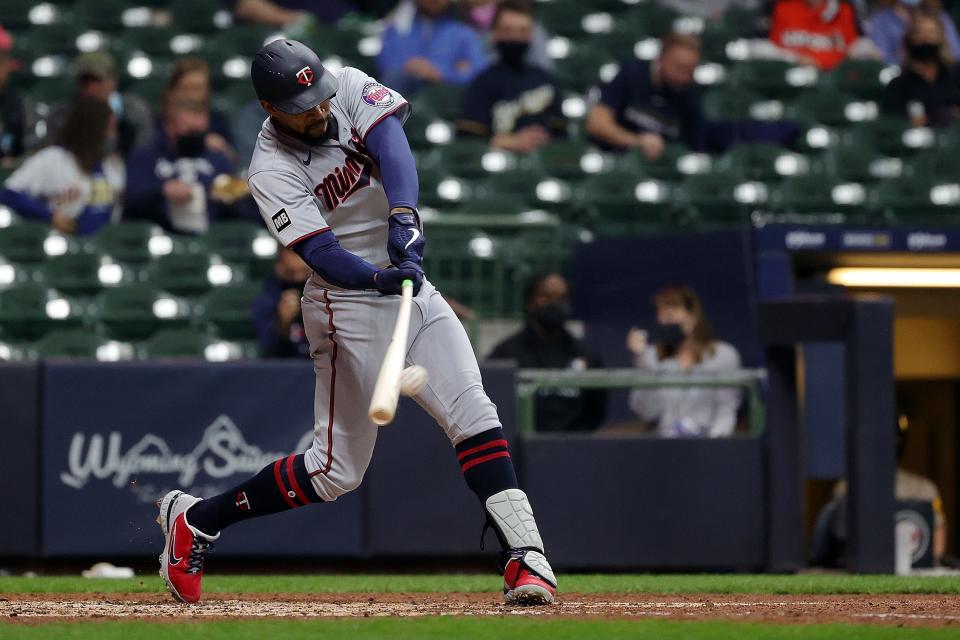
(302, 190)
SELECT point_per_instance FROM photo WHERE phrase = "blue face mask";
(115, 101)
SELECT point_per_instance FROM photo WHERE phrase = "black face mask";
(671, 336)
(513, 52)
(551, 317)
(191, 145)
(923, 51)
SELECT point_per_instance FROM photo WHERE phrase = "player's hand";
(177, 191)
(651, 145)
(389, 281)
(423, 69)
(405, 241)
(63, 223)
(637, 341)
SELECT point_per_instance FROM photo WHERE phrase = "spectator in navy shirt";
(648, 103)
(276, 311)
(169, 181)
(190, 80)
(514, 104)
(429, 47)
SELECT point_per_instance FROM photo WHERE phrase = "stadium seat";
(933, 165)
(195, 16)
(852, 161)
(815, 195)
(49, 91)
(29, 311)
(135, 242)
(227, 309)
(891, 136)
(12, 275)
(69, 343)
(729, 103)
(239, 241)
(473, 159)
(154, 41)
(862, 78)
(177, 343)
(191, 274)
(564, 158)
(711, 200)
(135, 312)
(563, 18)
(763, 161)
(23, 242)
(519, 185)
(829, 107)
(651, 19)
(634, 203)
(76, 274)
(774, 79)
(441, 99)
(239, 40)
(102, 15)
(914, 200)
(581, 69)
(15, 14)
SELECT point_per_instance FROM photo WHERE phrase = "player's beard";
(313, 134)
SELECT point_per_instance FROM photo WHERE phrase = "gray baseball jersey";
(303, 190)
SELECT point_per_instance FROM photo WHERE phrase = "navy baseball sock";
(281, 485)
(486, 465)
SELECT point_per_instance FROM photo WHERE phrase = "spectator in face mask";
(888, 26)
(545, 343)
(276, 311)
(682, 342)
(514, 104)
(190, 80)
(170, 181)
(928, 89)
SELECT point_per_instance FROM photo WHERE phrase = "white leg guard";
(511, 515)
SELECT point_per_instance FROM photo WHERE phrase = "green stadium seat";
(150, 88)
(489, 204)
(763, 161)
(191, 274)
(69, 343)
(774, 79)
(519, 185)
(851, 161)
(227, 310)
(177, 343)
(862, 78)
(195, 16)
(12, 275)
(473, 270)
(635, 203)
(712, 200)
(24, 242)
(651, 19)
(563, 18)
(134, 312)
(729, 103)
(15, 14)
(916, 200)
(891, 136)
(564, 158)
(239, 241)
(933, 165)
(134, 242)
(76, 274)
(949, 139)
(809, 195)
(29, 311)
(474, 159)
(52, 39)
(581, 69)
(829, 107)
(48, 91)
(441, 99)
(102, 15)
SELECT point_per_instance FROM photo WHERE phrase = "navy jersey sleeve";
(694, 123)
(614, 93)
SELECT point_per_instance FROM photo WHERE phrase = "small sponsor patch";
(377, 95)
(281, 220)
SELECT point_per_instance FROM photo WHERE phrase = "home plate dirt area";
(899, 610)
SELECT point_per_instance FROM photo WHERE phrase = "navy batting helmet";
(290, 76)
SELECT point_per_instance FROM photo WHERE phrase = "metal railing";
(530, 381)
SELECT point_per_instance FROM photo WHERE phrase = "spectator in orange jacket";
(819, 31)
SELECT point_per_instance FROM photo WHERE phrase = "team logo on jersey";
(305, 76)
(377, 95)
(281, 220)
(344, 181)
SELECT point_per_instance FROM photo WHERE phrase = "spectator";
(713, 9)
(928, 90)
(545, 343)
(514, 104)
(190, 80)
(684, 343)
(96, 77)
(428, 46)
(294, 15)
(818, 32)
(13, 110)
(480, 15)
(170, 181)
(888, 26)
(648, 103)
(276, 311)
(72, 185)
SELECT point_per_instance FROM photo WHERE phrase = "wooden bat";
(383, 403)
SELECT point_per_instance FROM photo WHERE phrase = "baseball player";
(336, 182)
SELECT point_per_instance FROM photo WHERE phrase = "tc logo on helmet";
(305, 76)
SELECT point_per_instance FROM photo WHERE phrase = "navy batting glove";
(405, 241)
(389, 281)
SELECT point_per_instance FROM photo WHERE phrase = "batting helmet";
(290, 76)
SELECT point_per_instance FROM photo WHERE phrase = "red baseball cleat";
(184, 547)
(528, 579)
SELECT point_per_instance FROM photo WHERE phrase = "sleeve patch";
(377, 95)
(281, 220)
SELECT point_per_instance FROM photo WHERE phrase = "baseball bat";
(383, 403)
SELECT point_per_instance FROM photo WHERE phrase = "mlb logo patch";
(281, 220)
(377, 95)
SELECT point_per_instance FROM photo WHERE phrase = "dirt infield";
(900, 610)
